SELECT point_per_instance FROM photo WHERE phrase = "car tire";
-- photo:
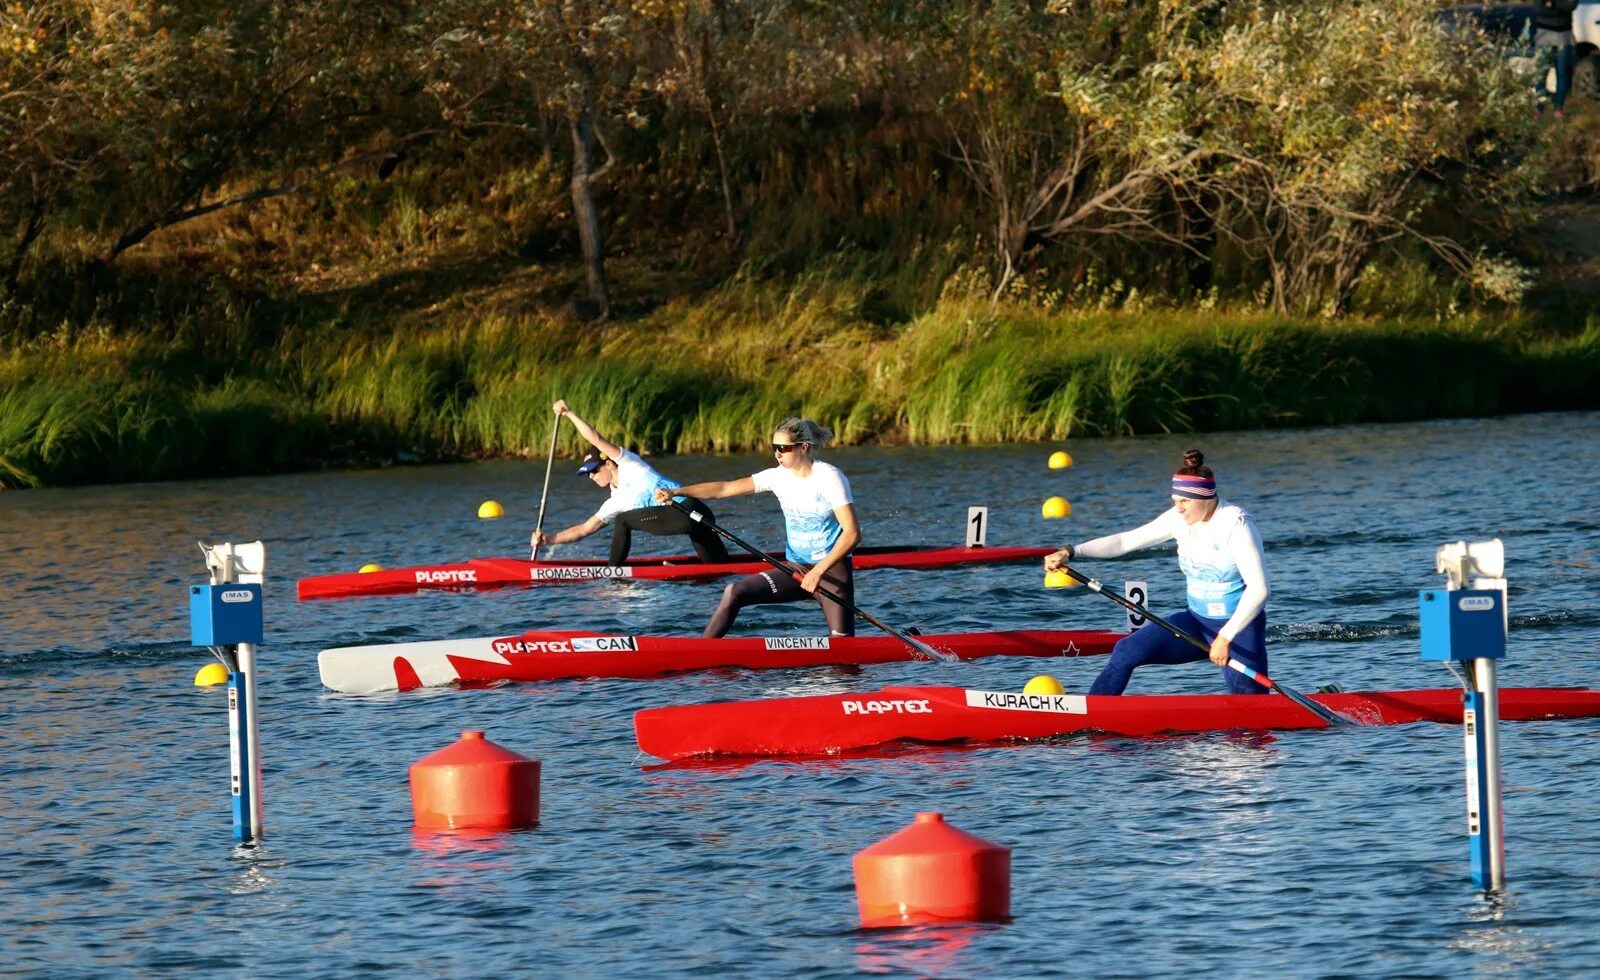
(1586, 77)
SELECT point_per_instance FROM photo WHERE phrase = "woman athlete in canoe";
(631, 506)
(820, 519)
(1219, 550)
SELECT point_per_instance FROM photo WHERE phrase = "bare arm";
(710, 490)
(849, 537)
(598, 441)
(576, 532)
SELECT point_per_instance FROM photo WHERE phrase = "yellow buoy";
(1059, 580)
(490, 509)
(1060, 460)
(1057, 507)
(371, 567)
(1043, 684)
(211, 675)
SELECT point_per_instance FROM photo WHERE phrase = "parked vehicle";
(1511, 25)
(1586, 33)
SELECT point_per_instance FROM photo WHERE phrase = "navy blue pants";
(1151, 644)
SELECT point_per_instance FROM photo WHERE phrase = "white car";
(1586, 31)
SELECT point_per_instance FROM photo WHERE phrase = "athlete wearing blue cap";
(631, 505)
(1219, 550)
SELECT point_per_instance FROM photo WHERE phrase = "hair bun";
(1194, 457)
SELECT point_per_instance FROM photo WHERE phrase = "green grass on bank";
(713, 374)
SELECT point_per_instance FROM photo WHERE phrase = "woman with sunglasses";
(1219, 550)
(630, 506)
(821, 530)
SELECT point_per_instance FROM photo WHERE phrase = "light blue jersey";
(635, 487)
(809, 502)
(1209, 554)
(1212, 579)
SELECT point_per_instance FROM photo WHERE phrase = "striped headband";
(1193, 487)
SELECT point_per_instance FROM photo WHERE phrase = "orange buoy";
(475, 783)
(931, 872)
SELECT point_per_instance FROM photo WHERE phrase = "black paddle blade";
(1327, 714)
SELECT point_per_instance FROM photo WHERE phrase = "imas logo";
(447, 576)
(1476, 603)
(887, 708)
(580, 572)
(797, 643)
(604, 644)
(237, 595)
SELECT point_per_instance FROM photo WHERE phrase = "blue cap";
(591, 462)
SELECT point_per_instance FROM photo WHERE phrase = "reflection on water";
(256, 876)
(453, 841)
(1490, 931)
(1324, 851)
(924, 951)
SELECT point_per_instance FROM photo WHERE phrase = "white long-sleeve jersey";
(1221, 560)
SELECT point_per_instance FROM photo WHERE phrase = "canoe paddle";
(917, 645)
(550, 462)
(1320, 711)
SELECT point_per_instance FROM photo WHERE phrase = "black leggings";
(775, 586)
(667, 519)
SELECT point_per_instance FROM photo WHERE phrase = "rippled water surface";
(1307, 853)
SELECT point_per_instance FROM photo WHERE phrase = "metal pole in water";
(239, 755)
(225, 615)
(1485, 819)
(250, 757)
(1468, 626)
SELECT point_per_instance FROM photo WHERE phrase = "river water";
(1319, 853)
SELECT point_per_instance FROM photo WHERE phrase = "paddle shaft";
(921, 648)
(1319, 710)
(549, 464)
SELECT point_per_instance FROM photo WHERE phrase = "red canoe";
(833, 723)
(548, 656)
(494, 573)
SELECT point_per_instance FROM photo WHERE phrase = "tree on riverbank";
(368, 223)
(131, 121)
(1244, 146)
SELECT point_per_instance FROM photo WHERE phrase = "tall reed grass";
(714, 375)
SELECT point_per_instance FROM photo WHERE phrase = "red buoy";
(931, 872)
(475, 783)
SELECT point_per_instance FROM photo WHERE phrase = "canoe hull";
(835, 723)
(498, 573)
(556, 655)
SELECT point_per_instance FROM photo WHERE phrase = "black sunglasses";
(783, 447)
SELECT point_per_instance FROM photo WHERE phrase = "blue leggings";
(1563, 59)
(1153, 645)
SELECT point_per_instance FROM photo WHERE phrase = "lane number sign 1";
(977, 527)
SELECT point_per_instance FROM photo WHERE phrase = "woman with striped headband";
(1219, 550)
